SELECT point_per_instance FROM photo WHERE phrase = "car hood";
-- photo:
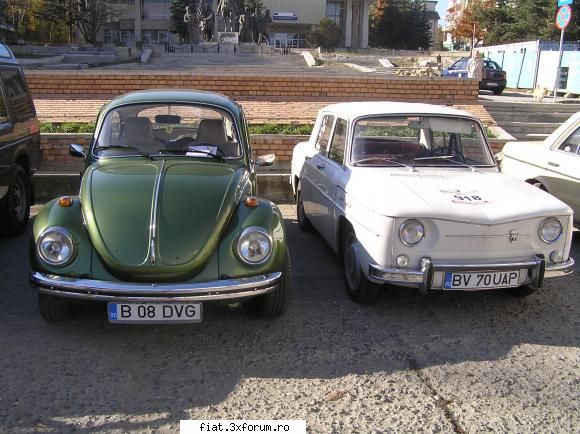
(159, 219)
(472, 197)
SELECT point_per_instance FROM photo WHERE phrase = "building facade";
(148, 21)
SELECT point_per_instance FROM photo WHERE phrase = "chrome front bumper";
(99, 290)
(423, 278)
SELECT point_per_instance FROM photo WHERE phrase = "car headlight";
(55, 246)
(254, 246)
(550, 230)
(411, 232)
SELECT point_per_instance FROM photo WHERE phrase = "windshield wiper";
(220, 158)
(132, 148)
(446, 158)
(388, 160)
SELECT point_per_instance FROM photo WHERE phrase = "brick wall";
(55, 148)
(82, 84)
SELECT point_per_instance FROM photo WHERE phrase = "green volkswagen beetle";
(166, 218)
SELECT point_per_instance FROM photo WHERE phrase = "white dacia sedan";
(410, 194)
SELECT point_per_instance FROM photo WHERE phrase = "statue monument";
(207, 21)
(192, 21)
(227, 10)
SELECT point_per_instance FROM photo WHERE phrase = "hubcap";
(19, 199)
(351, 265)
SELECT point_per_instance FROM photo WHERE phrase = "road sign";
(565, 2)
(563, 17)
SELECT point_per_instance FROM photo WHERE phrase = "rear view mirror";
(77, 150)
(167, 119)
(266, 160)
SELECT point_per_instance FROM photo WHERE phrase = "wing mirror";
(265, 160)
(77, 150)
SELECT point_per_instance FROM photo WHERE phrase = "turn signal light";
(65, 201)
(251, 202)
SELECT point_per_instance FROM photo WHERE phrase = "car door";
(563, 161)
(458, 69)
(333, 169)
(313, 185)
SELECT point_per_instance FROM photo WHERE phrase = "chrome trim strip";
(558, 270)
(89, 289)
(423, 278)
(154, 211)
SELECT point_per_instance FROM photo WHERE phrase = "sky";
(441, 7)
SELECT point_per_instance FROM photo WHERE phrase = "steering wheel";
(447, 151)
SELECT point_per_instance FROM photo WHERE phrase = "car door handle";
(553, 164)
(321, 166)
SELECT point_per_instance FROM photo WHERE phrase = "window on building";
(127, 37)
(153, 9)
(288, 40)
(335, 12)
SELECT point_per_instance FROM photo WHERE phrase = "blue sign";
(563, 17)
(565, 2)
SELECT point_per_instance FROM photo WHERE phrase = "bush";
(327, 35)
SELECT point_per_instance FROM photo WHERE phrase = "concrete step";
(497, 106)
(526, 127)
(502, 117)
(537, 137)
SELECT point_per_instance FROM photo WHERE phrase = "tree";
(327, 35)
(467, 25)
(400, 24)
(92, 15)
(59, 12)
(177, 11)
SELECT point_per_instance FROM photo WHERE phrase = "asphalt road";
(463, 362)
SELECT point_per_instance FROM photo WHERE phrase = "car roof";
(176, 96)
(353, 110)
(6, 55)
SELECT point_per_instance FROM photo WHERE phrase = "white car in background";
(552, 165)
(410, 194)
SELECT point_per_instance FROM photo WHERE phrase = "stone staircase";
(530, 121)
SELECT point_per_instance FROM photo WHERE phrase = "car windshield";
(419, 141)
(168, 129)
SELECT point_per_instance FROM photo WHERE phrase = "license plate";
(492, 84)
(490, 279)
(132, 313)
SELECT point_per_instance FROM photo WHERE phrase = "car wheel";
(53, 308)
(15, 215)
(497, 91)
(274, 304)
(303, 222)
(523, 291)
(358, 287)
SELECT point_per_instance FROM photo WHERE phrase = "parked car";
(494, 78)
(552, 165)
(167, 217)
(19, 145)
(410, 194)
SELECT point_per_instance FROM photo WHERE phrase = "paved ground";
(480, 362)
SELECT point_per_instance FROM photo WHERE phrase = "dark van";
(19, 145)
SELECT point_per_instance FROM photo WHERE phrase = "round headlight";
(55, 246)
(550, 230)
(411, 232)
(254, 246)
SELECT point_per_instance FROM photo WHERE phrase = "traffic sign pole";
(558, 65)
(562, 20)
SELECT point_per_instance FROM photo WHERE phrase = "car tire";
(497, 91)
(53, 308)
(15, 215)
(523, 291)
(303, 222)
(274, 304)
(359, 288)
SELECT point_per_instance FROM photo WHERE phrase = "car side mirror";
(266, 160)
(77, 150)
